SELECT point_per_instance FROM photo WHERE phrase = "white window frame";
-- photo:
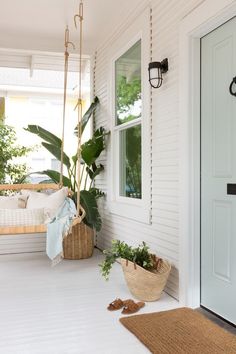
(132, 208)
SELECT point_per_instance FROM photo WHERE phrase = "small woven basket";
(80, 243)
(143, 284)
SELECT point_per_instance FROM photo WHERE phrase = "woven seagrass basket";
(80, 243)
(143, 284)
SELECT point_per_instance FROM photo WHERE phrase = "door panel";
(222, 138)
(218, 168)
(222, 221)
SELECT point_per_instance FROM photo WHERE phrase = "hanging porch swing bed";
(30, 210)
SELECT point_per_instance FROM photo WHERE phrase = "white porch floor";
(62, 310)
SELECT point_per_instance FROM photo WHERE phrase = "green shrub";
(10, 170)
(139, 255)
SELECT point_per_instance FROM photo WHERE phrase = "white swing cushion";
(21, 217)
(13, 202)
(51, 203)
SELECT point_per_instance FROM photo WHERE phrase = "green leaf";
(89, 203)
(97, 192)
(119, 249)
(95, 171)
(87, 115)
(74, 159)
(89, 112)
(57, 153)
(44, 134)
(55, 176)
(92, 149)
(52, 144)
(98, 170)
(90, 172)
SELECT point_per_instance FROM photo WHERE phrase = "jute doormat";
(180, 331)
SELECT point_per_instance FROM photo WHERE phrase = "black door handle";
(233, 93)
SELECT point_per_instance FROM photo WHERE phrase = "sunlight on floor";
(62, 310)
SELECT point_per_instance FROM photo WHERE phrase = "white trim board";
(205, 18)
(15, 58)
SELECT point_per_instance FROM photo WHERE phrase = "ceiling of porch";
(39, 25)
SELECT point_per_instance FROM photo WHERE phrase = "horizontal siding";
(22, 243)
(163, 233)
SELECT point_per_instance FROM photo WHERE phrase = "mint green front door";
(218, 171)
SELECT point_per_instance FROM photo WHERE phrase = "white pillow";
(51, 203)
(13, 202)
(21, 217)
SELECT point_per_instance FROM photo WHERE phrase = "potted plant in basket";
(145, 273)
(90, 152)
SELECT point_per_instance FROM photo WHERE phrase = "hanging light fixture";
(155, 70)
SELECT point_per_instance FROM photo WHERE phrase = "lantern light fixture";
(155, 70)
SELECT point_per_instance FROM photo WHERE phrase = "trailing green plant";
(10, 170)
(90, 152)
(139, 255)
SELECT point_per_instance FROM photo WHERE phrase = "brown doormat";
(180, 331)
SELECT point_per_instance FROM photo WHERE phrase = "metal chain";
(151, 108)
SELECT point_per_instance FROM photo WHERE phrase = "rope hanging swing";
(67, 43)
(80, 213)
(79, 243)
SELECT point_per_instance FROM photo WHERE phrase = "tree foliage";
(127, 93)
(133, 162)
(10, 170)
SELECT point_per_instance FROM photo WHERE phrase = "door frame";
(209, 15)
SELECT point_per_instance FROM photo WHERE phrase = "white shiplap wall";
(163, 233)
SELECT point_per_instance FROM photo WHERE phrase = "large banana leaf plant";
(90, 152)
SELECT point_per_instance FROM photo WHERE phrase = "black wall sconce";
(155, 70)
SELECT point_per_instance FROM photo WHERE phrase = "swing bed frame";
(29, 229)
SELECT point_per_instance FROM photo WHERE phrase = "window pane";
(130, 163)
(128, 85)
